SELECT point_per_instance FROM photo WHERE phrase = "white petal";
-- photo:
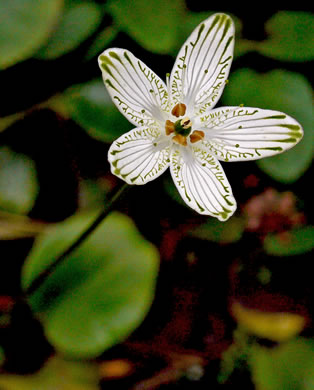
(136, 90)
(246, 133)
(139, 156)
(203, 63)
(202, 182)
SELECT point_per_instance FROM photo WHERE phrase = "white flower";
(177, 124)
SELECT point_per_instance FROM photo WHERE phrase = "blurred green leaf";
(78, 22)
(291, 36)
(293, 242)
(93, 193)
(101, 292)
(154, 24)
(101, 42)
(236, 355)
(24, 26)
(18, 182)
(57, 374)
(222, 232)
(243, 46)
(91, 107)
(283, 91)
(289, 366)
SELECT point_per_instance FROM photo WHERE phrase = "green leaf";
(291, 36)
(78, 22)
(293, 242)
(283, 91)
(57, 374)
(93, 193)
(286, 367)
(101, 42)
(221, 232)
(18, 182)
(101, 292)
(24, 26)
(154, 24)
(91, 107)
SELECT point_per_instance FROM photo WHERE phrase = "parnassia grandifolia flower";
(178, 126)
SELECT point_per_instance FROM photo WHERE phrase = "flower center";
(182, 128)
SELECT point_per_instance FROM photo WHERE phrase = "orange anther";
(196, 136)
(179, 109)
(169, 127)
(179, 139)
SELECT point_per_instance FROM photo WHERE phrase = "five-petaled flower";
(177, 124)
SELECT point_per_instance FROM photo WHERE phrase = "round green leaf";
(283, 91)
(77, 23)
(291, 36)
(24, 26)
(154, 24)
(294, 242)
(101, 292)
(287, 367)
(18, 182)
(91, 107)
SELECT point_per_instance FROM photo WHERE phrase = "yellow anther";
(196, 136)
(179, 110)
(180, 139)
(186, 123)
(169, 127)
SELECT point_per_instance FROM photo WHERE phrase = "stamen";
(180, 139)
(196, 136)
(170, 127)
(186, 123)
(179, 110)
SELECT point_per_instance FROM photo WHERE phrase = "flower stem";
(37, 282)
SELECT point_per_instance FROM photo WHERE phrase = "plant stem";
(37, 282)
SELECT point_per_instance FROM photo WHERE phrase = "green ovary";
(183, 127)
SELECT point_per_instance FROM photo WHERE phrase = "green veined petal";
(203, 63)
(202, 183)
(247, 133)
(139, 156)
(136, 90)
